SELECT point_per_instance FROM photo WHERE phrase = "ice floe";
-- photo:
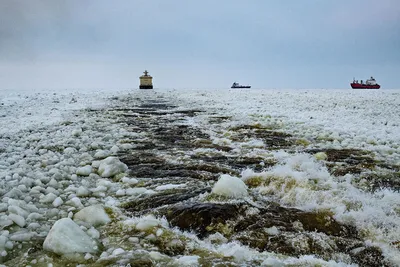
(229, 186)
(66, 237)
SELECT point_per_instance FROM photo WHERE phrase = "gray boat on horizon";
(237, 85)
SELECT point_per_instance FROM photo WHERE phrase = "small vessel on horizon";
(146, 81)
(237, 85)
(369, 84)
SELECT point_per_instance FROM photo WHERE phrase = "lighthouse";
(146, 81)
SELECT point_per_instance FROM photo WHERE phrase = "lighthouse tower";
(146, 81)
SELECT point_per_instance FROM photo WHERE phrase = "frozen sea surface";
(194, 177)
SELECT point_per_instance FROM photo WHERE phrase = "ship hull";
(364, 86)
(238, 87)
(146, 87)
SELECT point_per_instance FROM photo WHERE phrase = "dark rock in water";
(140, 263)
(369, 257)
(202, 217)
(235, 163)
(282, 230)
(344, 161)
(167, 197)
(177, 135)
(147, 164)
(204, 214)
(189, 112)
(298, 233)
(206, 143)
(167, 170)
(295, 232)
(323, 222)
(376, 181)
(273, 139)
(218, 119)
(172, 248)
(286, 218)
(143, 157)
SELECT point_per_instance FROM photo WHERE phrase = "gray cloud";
(257, 40)
(24, 23)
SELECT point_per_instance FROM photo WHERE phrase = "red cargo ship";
(369, 84)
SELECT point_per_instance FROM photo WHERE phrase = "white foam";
(169, 186)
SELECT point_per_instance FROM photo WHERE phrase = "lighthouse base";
(146, 87)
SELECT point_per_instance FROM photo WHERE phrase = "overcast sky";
(198, 43)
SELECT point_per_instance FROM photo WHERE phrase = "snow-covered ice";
(59, 161)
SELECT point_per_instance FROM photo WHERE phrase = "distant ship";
(237, 85)
(369, 84)
(146, 81)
